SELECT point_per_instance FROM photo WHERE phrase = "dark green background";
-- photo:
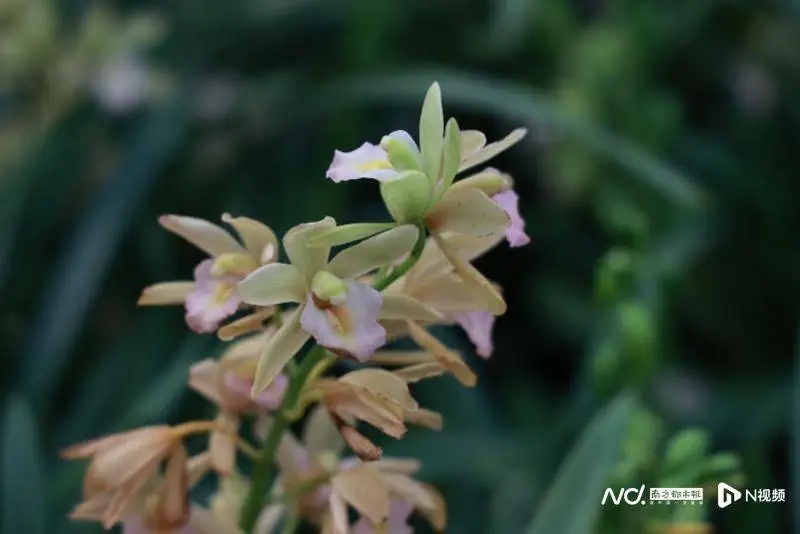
(666, 132)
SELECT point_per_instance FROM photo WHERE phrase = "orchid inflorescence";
(399, 278)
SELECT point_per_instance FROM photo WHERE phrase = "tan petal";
(448, 293)
(122, 499)
(280, 348)
(424, 498)
(448, 358)
(477, 283)
(248, 347)
(222, 445)
(489, 181)
(203, 378)
(339, 523)
(468, 211)
(364, 489)
(402, 357)
(383, 383)
(274, 283)
(174, 502)
(434, 263)
(206, 236)
(353, 401)
(492, 149)
(406, 307)
(92, 509)
(342, 235)
(165, 293)
(310, 260)
(425, 418)
(360, 445)
(403, 466)
(377, 251)
(246, 325)
(197, 467)
(320, 433)
(257, 237)
(268, 520)
(471, 141)
(415, 373)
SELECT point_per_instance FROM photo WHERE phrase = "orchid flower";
(210, 298)
(340, 313)
(227, 383)
(417, 184)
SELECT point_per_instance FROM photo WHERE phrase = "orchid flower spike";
(340, 313)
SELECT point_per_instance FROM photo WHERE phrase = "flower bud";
(328, 287)
(407, 197)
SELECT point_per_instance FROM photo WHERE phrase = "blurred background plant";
(659, 183)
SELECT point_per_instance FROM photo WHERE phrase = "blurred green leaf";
(76, 280)
(572, 504)
(22, 471)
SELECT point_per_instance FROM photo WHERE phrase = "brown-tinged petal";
(384, 384)
(466, 210)
(222, 444)
(92, 509)
(173, 509)
(258, 238)
(425, 418)
(406, 307)
(271, 284)
(320, 433)
(360, 444)
(206, 236)
(347, 400)
(279, 349)
(165, 293)
(377, 251)
(309, 260)
(364, 489)
(448, 358)
(415, 373)
(478, 284)
(424, 498)
(491, 150)
(245, 325)
(434, 263)
(123, 497)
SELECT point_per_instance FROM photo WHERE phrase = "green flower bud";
(637, 330)
(408, 197)
(615, 275)
(328, 287)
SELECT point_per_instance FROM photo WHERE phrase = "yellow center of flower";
(223, 292)
(233, 264)
(375, 165)
(383, 528)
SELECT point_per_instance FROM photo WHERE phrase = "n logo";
(727, 495)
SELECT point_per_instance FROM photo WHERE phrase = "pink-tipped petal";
(359, 334)
(211, 301)
(367, 161)
(515, 233)
(478, 325)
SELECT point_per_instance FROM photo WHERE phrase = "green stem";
(263, 475)
(292, 523)
(407, 264)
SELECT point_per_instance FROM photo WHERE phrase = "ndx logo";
(631, 496)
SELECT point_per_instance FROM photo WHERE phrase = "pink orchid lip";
(515, 233)
(478, 326)
(204, 310)
(350, 329)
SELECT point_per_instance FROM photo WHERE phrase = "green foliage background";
(659, 182)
